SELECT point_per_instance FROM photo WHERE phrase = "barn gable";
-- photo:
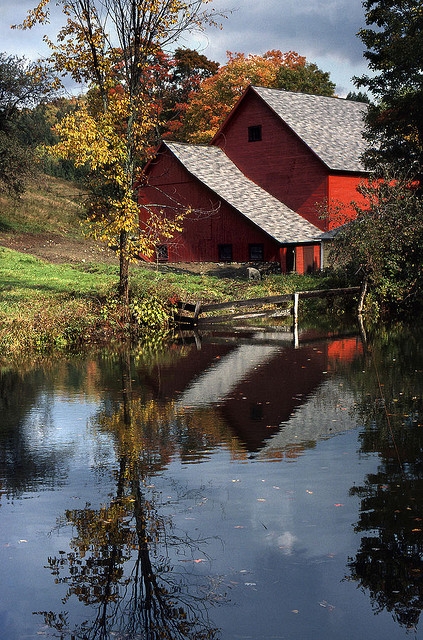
(303, 149)
(332, 128)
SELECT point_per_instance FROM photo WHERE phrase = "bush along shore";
(47, 307)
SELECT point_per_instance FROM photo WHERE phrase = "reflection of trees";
(22, 465)
(389, 563)
(120, 562)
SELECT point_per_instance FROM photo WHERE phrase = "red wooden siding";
(204, 230)
(342, 190)
(282, 164)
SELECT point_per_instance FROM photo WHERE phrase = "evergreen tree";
(394, 42)
(384, 242)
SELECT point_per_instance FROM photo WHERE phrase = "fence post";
(296, 301)
(197, 312)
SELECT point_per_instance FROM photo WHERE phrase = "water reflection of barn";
(262, 391)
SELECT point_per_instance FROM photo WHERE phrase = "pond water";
(229, 487)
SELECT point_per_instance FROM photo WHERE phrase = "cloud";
(325, 31)
(320, 26)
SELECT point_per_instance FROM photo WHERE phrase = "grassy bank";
(47, 306)
(56, 306)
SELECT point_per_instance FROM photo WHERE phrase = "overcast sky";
(322, 30)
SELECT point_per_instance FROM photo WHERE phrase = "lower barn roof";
(211, 166)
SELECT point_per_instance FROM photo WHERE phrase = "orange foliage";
(208, 107)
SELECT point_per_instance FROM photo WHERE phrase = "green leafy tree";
(382, 245)
(23, 86)
(305, 78)
(394, 42)
(385, 241)
(358, 96)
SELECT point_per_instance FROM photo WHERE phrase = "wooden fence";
(191, 315)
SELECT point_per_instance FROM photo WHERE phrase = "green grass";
(52, 205)
(45, 307)
(25, 278)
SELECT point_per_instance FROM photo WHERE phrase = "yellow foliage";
(108, 45)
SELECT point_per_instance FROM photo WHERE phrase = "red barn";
(256, 192)
(305, 150)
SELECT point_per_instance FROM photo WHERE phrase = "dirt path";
(59, 249)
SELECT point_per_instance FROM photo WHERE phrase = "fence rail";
(197, 309)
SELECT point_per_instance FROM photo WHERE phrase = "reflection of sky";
(279, 533)
(58, 419)
(284, 526)
(59, 424)
(55, 430)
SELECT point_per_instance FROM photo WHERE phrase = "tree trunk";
(124, 273)
(362, 295)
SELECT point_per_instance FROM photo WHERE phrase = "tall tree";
(188, 70)
(394, 42)
(385, 241)
(109, 44)
(23, 85)
(305, 78)
(217, 94)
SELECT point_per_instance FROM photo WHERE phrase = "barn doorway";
(290, 259)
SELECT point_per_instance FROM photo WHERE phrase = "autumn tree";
(24, 85)
(109, 44)
(188, 69)
(217, 94)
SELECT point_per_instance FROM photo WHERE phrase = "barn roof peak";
(331, 127)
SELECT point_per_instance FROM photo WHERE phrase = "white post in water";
(296, 300)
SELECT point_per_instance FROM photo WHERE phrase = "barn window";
(162, 253)
(225, 252)
(254, 133)
(256, 252)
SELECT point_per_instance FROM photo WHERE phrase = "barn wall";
(342, 190)
(280, 162)
(206, 228)
(300, 259)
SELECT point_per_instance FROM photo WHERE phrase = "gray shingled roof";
(331, 127)
(213, 168)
